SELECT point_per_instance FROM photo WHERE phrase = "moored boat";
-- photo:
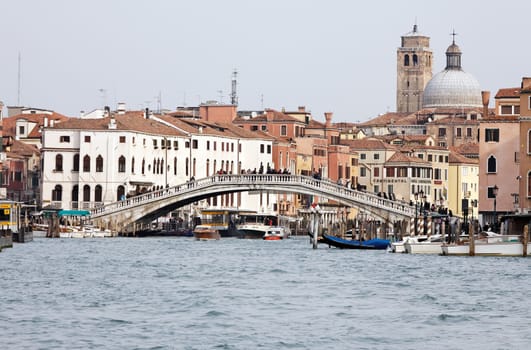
(206, 233)
(375, 243)
(430, 245)
(504, 245)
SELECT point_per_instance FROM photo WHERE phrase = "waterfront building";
(414, 70)
(464, 171)
(91, 162)
(523, 201)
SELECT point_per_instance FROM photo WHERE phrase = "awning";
(73, 213)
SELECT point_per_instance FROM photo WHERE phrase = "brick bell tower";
(414, 70)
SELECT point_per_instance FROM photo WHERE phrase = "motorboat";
(206, 233)
(276, 233)
(430, 245)
(494, 245)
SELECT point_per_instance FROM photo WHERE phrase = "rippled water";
(177, 293)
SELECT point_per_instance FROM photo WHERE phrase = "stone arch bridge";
(149, 206)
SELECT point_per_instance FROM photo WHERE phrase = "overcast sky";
(336, 56)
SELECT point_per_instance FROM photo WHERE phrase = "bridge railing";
(321, 187)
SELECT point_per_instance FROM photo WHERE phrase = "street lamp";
(495, 194)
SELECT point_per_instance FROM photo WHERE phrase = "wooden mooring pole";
(471, 240)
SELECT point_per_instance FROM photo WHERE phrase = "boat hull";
(374, 244)
(487, 249)
(206, 234)
(423, 248)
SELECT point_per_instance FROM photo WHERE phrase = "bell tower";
(414, 70)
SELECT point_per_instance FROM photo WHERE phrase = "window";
(492, 135)
(175, 145)
(64, 139)
(122, 139)
(283, 130)
(99, 164)
(415, 60)
(268, 149)
(376, 172)
(468, 132)
(507, 109)
(223, 147)
(264, 127)
(98, 193)
(57, 193)
(442, 132)
(133, 165)
(76, 162)
(194, 144)
(155, 146)
(87, 138)
(406, 60)
(363, 156)
(86, 193)
(215, 145)
(75, 193)
(376, 156)
(144, 166)
(208, 145)
(458, 133)
(390, 172)
(254, 127)
(491, 165)
(21, 130)
(363, 172)
(262, 148)
(175, 166)
(86, 163)
(59, 162)
(187, 144)
(490, 192)
(430, 158)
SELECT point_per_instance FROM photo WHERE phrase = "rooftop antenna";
(233, 95)
(18, 79)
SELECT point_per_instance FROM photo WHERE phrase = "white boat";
(276, 233)
(256, 225)
(400, 246)
(431, 245)
(499, 245)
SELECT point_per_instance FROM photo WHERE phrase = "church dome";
(453, 87)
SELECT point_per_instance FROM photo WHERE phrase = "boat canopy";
(73, 213)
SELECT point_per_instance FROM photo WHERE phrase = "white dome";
(452, 88)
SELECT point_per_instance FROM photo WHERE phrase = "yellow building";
(464, 173)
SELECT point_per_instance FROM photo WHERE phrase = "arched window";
(143, 166)
(59, 162)
(98, 191)
(76, 162)
(491, 165)
(406, 60)
(121, 164)
(175, 166)
(193, 168)
(99, 164)
(214, 170)
(207, 167)
(162, 166)
(415, 60)
(154, 166)
(86, 193)
(57, 193)
(133, 165)
(120, 193)
(187, 170)
(75, 193)
(86, 163)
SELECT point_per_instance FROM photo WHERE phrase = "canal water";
(177, 293)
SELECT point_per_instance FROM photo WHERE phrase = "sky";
(334, 56)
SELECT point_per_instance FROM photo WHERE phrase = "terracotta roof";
(508, 93)
(9, 123)
(454, 120)
(457, 158)
(368, 144)
(470, 148)
(400, 157)
(385, 119)
(130, 121)
(22, 149)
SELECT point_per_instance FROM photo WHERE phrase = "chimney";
(112, 123)
(106, 111)
(146, 113)
(485, 97)
(45, 122)
(270, 115)
(328, 117)
(121, 108)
